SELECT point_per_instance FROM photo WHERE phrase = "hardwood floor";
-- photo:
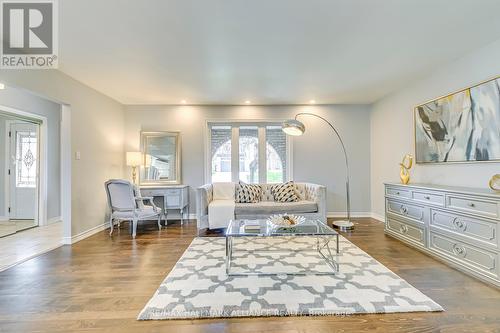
(30, 243)
(100, 284)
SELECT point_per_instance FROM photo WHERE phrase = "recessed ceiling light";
(247, 102)
(2, 86)
(183, 101)
(312, 101)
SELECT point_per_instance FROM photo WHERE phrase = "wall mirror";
(162, 158)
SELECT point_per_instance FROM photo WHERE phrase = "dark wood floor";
(101, 284)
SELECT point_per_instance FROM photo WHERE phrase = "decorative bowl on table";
(285, 221)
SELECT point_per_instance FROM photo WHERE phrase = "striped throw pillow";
(284, 192)
(248, 193)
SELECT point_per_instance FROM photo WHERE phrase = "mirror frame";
(177, 136)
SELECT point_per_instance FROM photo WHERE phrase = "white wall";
(392, 126)
(22, 100)
(97, 125)
(317, 156)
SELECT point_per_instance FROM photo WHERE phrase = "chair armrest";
(204, 195)
(143, 198)
(150, 199)
(317, 193)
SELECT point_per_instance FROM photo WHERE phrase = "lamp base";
(343, 225)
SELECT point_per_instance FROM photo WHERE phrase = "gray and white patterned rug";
(198, 287)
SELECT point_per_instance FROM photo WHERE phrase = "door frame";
(41, 212)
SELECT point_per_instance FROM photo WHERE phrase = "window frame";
(235, 158)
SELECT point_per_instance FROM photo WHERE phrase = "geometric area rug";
(198, 287)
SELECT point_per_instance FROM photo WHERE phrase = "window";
(26, 145)
(220, 141)
(275, 154)
(249, 154)
(260, 155)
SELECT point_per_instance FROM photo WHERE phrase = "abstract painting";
(461, 127)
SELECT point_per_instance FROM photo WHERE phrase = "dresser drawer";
(473, 205)
(466, 254)
(412, 233)
(149, 193)
(397, 192)
(406, 210)
(173, 191)
(476, 229)
(429, 198)
(173, 198)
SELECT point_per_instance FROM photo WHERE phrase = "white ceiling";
(266, 51)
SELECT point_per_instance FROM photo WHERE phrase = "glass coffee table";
(320, 233)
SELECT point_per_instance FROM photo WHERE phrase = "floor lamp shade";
(293, 127)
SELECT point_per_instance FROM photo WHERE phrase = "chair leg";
(134, 228)
(111, 224)
(159, 221)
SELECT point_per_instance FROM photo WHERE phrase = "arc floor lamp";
(295, 128)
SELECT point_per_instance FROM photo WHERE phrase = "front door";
(23, 170)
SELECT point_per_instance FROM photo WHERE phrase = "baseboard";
(4, 218)
(375, 216)
(378, 217)
(54, 220)
(95, 230)
(85, 234)
(344, 214)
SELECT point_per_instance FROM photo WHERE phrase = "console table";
(454, 224)
(171, 196)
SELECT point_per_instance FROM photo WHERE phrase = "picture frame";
(461, 127)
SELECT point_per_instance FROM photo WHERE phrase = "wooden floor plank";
(100, 284)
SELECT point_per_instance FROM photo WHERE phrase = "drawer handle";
(403, 229)
(427, 197)
(403, 210)
(459, 250)
(461, 225)
(471, 204)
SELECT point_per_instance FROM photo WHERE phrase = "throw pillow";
(284, 192)
(248, 193)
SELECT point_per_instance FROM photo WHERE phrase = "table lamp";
(134, 159)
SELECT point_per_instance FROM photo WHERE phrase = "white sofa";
(312, 204)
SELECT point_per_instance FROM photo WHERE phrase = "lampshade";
(134, 158)
(293, 127)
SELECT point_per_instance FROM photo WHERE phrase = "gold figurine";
(495, 182)
(406, 165)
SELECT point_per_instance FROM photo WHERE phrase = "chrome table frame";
(322, 247)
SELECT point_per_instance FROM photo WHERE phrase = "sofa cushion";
(271, 207)
(248, 192)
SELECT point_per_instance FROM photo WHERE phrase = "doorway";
(21, 174)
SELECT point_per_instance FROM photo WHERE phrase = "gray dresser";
(457, 225)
